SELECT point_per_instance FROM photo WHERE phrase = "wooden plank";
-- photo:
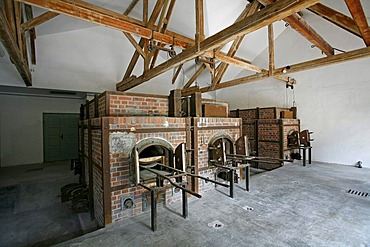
(138, 48)
(231, 83)
(302, 27)
(210, 110)
(274, 12)
(8, 7)
(18, 21)
(316, 63)
(131, 7)
(271, 49)
(195, 147)
(283, 78)
(221, 69)
(174, 78)
(336, 18)
(162, 25)
(100, 16)
(91, 168)
(236, 62)
(145, 12)
(135, 57)
(239, 81)
(105, 159)
(10, 44)
(359, 16)
(38, 20)
(195, 76)
(199, 22)
(32, 33)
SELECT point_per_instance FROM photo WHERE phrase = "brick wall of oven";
(120, 163)
(206, 129)
(127, 104)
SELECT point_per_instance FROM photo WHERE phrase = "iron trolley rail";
(177, 174)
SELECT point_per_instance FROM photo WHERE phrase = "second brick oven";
(121, 132)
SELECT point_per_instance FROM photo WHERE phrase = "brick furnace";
(133, 144)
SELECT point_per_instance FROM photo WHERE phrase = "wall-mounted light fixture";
(285, 70)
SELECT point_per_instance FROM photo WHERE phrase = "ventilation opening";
(358, 193)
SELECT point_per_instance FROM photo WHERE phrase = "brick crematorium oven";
(269, 132)
(130, 142)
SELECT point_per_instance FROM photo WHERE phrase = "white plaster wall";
(21, 134)
(332, 101)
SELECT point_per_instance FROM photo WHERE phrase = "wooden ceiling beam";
(336, 18)
(38, 20)
(316, 63)
(199, 21)
(8, 8)
(195, 76)
(32, 33)
(174, 78)
(138, 48)
(274, 12)
(145, 12)
(302, 27)
(131, 7)
(236, 62)
(162, 26)
(18, 10)
(231, 83)
(142, 42)
(271, 40)
(221, 69)
(91, 13)
(8, 39)
(359, 16)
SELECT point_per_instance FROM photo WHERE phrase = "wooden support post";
(105, 159)
(196, 104)
(91, 171)
(271, 49)
(32, 33)
(174, 78)
(175, 103)
(145, 12)
(199, 16)
(195, 148)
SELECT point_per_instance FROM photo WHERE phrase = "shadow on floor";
(31, 213)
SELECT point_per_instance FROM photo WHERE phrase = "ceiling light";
(285, 70)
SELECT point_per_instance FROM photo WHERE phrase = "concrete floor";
(31, 213)
(289, 206)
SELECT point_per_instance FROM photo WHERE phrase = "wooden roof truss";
(16, 18)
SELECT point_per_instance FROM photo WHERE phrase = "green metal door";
(60, 136)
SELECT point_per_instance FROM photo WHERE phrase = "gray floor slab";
(289, 206)
(32, 214)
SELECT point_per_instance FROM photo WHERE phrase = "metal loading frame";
(158, 188)
(231, 174)
(238, 161)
